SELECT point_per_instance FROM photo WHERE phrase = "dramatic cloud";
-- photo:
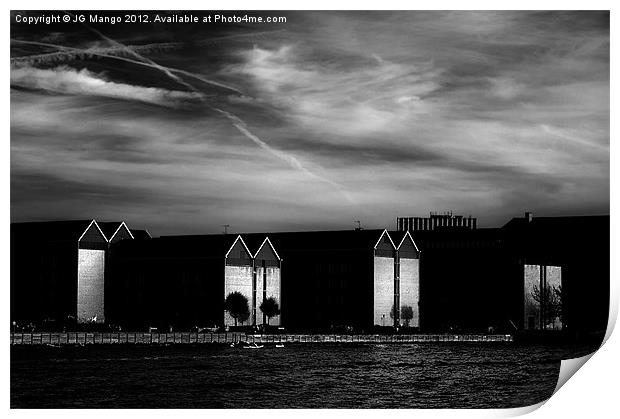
(330, 118)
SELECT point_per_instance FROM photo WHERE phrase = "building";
(182, 281)
(436, 221)
(267, 281)
(406, 278)
(344, 279)
(58, 273)
(562, 266)
(534, 273)
(464, 281)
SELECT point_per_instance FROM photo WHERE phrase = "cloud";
(344, 116)
(66, 80)
(330, 98)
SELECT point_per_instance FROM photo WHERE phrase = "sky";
(310, 124)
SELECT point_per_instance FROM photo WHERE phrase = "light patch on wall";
(90, 298)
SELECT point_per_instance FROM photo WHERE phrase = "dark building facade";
(182, 281)
(436, 274)
(567, 259)
(465, 281)
(334, 279)
(533, 273)
(58, 272)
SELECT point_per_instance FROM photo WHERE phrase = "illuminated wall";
(541, 284)
(90, 295)
(269, 278)
(383, 290)
(410, 288)
(238, 278)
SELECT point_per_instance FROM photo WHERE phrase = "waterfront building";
(567, 260)
(406, 278)
(58, 272)
(267, 282)
(337, 280)
(465, 281)
(182, 281)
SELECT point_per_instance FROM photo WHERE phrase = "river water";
(296, 376)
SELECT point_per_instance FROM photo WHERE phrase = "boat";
(246, 345)
(253, 345)
(279, 345)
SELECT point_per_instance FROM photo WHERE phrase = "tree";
(237, 306)
(270, 308)
(550, 302)
(406, 313)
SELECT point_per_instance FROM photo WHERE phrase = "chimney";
(528, 217)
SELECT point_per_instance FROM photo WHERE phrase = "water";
(296, 376)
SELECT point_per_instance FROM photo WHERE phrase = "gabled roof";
(71, 230)
(110, 228)
(266, 242)
(254, 241)
(240, 239)
(399, 237)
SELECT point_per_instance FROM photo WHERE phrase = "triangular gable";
(407, 234)
(407, 248)
(235, 243)
(385, 232)
(88, 228)
(121, 225)
(267, 241)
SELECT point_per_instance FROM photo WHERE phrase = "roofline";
(233, 245)
(407, 233)
(98, 228)
(381, 236)
(270, 245)
(119, 227)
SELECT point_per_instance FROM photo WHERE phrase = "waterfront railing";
(88, 338)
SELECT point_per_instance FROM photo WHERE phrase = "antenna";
(359, 225)
(226, 228)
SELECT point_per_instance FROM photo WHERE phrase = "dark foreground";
(493, 375)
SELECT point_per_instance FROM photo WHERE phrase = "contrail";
(70, 51)
(291, 160)
(556, 132)
(144, 48)
(237, 122)
(141, 57)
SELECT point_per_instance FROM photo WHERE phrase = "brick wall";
(90, 296)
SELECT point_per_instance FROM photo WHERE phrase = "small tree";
(270, 308)
(406, 313)
(550, 302)
(237, 306)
